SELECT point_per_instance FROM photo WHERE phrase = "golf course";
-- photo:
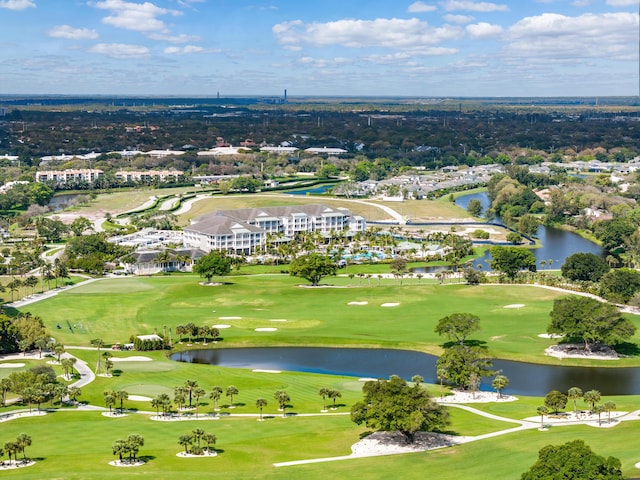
(277, 310)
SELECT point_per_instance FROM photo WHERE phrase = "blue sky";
(329, 47)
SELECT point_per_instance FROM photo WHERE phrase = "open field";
(115, 309)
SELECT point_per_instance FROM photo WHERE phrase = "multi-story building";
(245, 230)
(70, 175)
(149, 175)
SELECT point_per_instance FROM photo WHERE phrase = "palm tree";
(592, 397)
(197, 435)
(333, 394)
(209, 439)
(197, 393)
(31, 282)
(98, 344)
(122, 396)
(11, 448)
(119, 448)
(5, 386)
(134, 442)
(283, 398)
(215, 394)
(417, 380)
(231, 391)
(58, 349)
(261, 403)
(13, 286)
(109, 399)
(74, 393)
(574, 393)
(107, 362)
(189, 385)
(499, 383)
(608, 406)
(185, 441)
(22, 442)
(324, 392)
(67, 365)
(180, 396)
(542, 411)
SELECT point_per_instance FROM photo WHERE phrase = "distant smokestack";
(285, 95)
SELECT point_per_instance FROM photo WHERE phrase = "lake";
(524, 378)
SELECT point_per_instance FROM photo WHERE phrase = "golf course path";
(86, 374)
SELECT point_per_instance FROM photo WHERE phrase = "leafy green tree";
(79, 225)
(313, 267)
(573, 461)
(589, 320)
(499, 383)
(620, 285)
(459, 362)
(584, 267)
(458, 326)
(474, 207)
(395, 405)
(555, 400)
(214, 263)
(573, 394)
(511, 260)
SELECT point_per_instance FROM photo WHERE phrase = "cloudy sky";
(320, 47)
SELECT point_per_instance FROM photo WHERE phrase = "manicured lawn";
(115, 309)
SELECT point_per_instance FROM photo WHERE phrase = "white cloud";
(554, 36)
(484, 30)
(67, 31)
(183, 50)
(459, 19)
(473, 6)
(421, 7)
(581, 3)
(141, 17)
(622, 3)
(397, 34)
(120, 50)
(17, 4)
(182, 38)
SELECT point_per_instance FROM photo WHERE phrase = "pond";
(524, 378)
(556, 244)
(319, 190)
(60, 202)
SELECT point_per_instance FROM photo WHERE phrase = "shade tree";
(313, 267)
(458, 363)
(458, 326)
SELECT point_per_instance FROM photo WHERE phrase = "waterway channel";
(524, 378)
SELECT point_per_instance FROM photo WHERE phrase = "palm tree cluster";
(13, 448)
(129, 446)
(111, 397)
(192, 442)
(191, 330)
(34, 386)
(591, 397)
(331, 394)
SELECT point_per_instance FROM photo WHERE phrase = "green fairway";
(393, 316)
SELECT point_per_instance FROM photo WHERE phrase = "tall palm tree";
(608, 406)
(231, 391)
(185, 441)
(122, 396)
(324, 392)
(574, 393)
(119, 448)
(542, 411)
(261, 403)
(209, 439)
(334, 394)
(282, 398)
(98, 344)
(134, 442)
(189, 385)
(74, 393)
(197, 435)
(58, 349)
(22, 442)
(5, 386)
(197, 393)
(109, 399)
(215, 394)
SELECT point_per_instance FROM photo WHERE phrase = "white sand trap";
(551, 335)
(515, 305)
(11, 365)
(365, 379)
(230, 318)
(135, 358)
(266, 329)
(390, 304)
(118, 463)
(278, 320)
(221, 325)
(357, 303)
(139, 398)
(205, 453)
(260, 370)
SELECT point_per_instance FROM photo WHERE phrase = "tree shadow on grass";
(146, 458)
(364, 435)
(628, 349)
(116, 373)
(468, 343)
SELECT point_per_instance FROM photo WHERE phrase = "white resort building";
(244, 230)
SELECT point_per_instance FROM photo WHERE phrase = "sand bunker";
(260, 370)
(11, 365)
(369, 379)
(278, 320)
(139, 398)
(221, 325)
(390, 304)
(550, 335)
(230, 318)
(515, 305)
(266, 329)
(357, 303)
(126, 463)
(205, 453)
(137, 358)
